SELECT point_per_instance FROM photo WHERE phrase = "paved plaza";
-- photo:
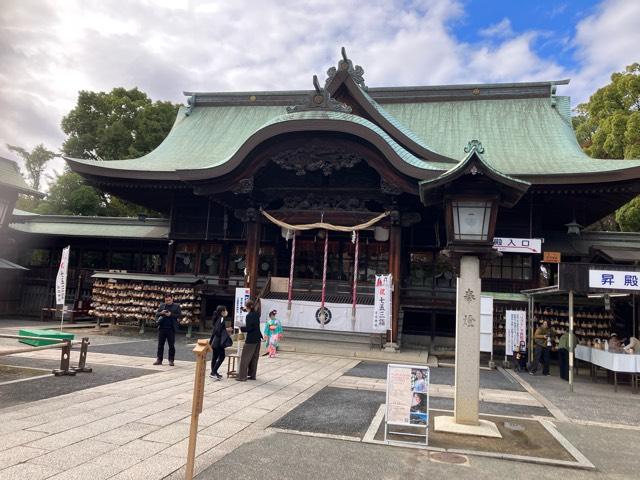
(306, 416)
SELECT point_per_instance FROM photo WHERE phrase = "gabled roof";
(525, 128)
(11, 178)
(511, 189)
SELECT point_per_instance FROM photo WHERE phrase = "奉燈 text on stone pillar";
(467, 375)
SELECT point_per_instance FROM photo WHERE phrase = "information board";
(407, 399)
(516, 329)
(242, 296)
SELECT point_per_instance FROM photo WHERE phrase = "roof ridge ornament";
(357, 72)
(474, 145)
(320, 100)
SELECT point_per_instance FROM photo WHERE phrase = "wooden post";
(201, 350)
(252, 250)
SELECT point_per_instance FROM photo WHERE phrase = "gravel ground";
(441, 375)
(52, 386)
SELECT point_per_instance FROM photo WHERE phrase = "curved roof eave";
(322, 121)
(387, 146)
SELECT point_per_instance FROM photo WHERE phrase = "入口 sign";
(614, 280)
(518, 245)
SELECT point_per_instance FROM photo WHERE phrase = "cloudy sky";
(51, 49)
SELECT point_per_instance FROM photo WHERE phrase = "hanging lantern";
(381, 234)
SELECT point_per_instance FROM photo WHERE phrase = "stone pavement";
(138, 428)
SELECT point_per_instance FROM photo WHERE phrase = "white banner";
(382, 308)
(305, 314)
(61, 279)
(613, 279)
(242, 296)
(516, 329)
(486, 324)
(518, 245)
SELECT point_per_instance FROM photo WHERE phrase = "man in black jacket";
(167, 319)
(251, 349)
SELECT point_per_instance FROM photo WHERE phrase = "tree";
(116, 125)
(608, 126)
(35, 162)
(107, 125)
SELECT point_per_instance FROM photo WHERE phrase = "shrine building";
(239, 168)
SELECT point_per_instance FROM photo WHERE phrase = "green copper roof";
(79, 226)
(521, 137)
(10, 177)
(210, 136)
(529, 137)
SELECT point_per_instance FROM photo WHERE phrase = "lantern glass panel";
(471, 220)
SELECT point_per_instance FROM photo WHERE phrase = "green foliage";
(113, 125)
(116, 125)
(608, 126)
(35, 162)
(628, 216)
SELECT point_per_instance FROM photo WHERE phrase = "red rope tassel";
(355, 275)
(324, 277)
(293, 259)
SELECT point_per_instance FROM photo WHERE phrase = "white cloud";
(606, 42)
(500, 30)
(50, 50)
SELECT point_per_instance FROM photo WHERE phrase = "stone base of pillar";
(484, 428)
(391, 347)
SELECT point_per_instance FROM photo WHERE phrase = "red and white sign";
(382, 303)
(61, 279)
(518, 245)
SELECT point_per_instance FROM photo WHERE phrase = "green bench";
(45, 334)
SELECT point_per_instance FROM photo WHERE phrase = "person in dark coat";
(219, 336)
(167, 317)
(251, 349)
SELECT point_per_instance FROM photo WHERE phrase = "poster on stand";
(61, 279)
(516, 329)
(382, 307)
(242, 296)
(407, 395)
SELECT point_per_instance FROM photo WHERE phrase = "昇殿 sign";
(614, 280)
(382, 303)
(518, 245)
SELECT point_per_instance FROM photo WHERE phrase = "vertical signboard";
(486, 324)
(242, 296)
(61, 279)
(382, 303)
(407, 400)
(516, 329)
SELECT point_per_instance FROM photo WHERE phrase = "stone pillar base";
(484, 428)
(391, 347)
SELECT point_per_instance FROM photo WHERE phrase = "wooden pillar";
(395, 263)
(252, 250)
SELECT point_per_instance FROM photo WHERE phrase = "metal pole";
(571, 346)
(324, 279)
(62, 317)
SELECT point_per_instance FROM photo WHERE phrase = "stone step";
(329, 336)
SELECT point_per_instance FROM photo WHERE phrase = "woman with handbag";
(219, 340)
